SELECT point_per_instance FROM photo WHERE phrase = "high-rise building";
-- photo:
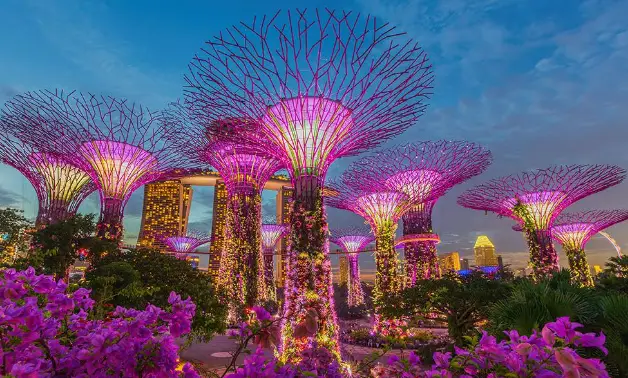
(165, 212)
(343, 264)
(284, 206)
(484, 252)
(500, 261)
(218, 227)
(450, 262)
(464, 264)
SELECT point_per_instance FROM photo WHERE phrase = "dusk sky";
(537, 82)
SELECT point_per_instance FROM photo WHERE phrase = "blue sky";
(538, 82)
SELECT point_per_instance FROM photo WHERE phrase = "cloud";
(8, 198)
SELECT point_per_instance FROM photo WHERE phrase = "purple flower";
(590, 340)
(261, 313)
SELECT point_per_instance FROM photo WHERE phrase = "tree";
(615, 275)
(462, 301)
(12, 227)
(114, 280)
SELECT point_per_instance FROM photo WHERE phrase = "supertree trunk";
(309, 310)
(543, 256)
(269, 279)
(55, 212)
(579, 266)
(355, 294)
(421, 256)
(241, 273)
(110, 224)
(386, 261)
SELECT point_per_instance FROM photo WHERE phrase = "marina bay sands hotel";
(166, 210)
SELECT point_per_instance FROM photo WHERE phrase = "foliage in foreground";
(550, 353)
(139, 277)
(45, 332)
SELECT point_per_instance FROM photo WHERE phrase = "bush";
(159, 274)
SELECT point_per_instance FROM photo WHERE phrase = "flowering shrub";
(547, 354)
(45, 332)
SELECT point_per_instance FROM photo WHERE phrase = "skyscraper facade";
(464, 264)
(450, 262)
(284, 198)
(484, 252)
(218, 227)
(166, 210)
(344, 269)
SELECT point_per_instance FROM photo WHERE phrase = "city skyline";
(507, 86)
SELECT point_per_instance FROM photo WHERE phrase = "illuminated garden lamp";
(336, 85)
(353, 241)
(59, 185)
(574, 230)
(535, 198)
(424, 171)
(119, 144)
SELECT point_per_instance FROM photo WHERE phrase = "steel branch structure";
(59, 185)
(536, 198)
(382, 208)
(319, 85)
(353, 241)
(244, 171)
(424, 171)
(182, 246)
(574, 230)
(271, 234)
(119, 144)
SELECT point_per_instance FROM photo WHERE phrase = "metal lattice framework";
(59, 185)
(182, 246)
(353, 241)
(271, 234)
(119, 144)
(536, 198)
(319, 85)
(574, 230)
(424, 171)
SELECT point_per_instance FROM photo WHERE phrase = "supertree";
(183, 245)
(352, 241)
(324, 85)
(574, 230)
(59, 185)
(424, 171)
(381, 208)
(119, 144)
(271, 234)
(536, 198)
(244, 171)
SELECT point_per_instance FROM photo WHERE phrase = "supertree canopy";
(322, 85)
(353, 241)
(271, 234)
(244, 171)
(536, 198)
(573, 231)
(119, 144)
(183, 245)
(59, 185)
(424, 171)
(381, 208)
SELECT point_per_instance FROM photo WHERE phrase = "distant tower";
(344, 270)
(218, 227)
(284, 204)
(464, 264)
(165, 212)
(484, 252)
(500, 261)
(450, 262)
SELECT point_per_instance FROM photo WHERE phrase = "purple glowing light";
(271, 233)
(380, 209)
(540, 206)
(119, 168)
(416, 184)
(574, 230)
(353, 242)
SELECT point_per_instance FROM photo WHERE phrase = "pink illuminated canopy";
(271, 233)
